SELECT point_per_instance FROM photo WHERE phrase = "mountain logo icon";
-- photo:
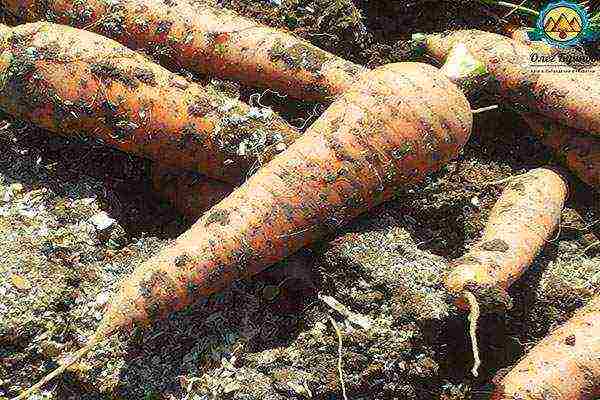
(566, 24)
(563, 24)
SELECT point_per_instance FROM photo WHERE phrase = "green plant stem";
(517, 7)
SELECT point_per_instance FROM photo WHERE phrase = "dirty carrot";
(204, 39)
(571, 98)
(563, 366)
(520, 223)
(189, 193)
(393, 127)
(577, 150)
(71, 81)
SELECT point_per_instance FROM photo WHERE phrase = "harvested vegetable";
(577, 150)
(397, 124)
(205, 39)
(522, 220)
(71, 81)
(189, 193)
(573, 99)
(563, 366)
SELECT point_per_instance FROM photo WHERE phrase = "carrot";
(397, 124)
(71, 81)
(520, 223)
(563, 366)
(573, 99)
(205, 39)
(577, 150)
(189, 193)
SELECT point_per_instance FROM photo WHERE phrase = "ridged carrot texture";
(577, 150)
(204, 39)
(570, 98)
(563, 366)
(519, 225)
(189, 193)
(397, 124)
(71, 81)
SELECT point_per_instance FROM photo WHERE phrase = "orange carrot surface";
(71, 81)
(573, 98)
(576, 149)
(522, 220)
(204, 39)
(563, 366)
(393, 127)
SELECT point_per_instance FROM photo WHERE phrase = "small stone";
(102, 299)
(20, 282)
(475, 201)
(102, 221)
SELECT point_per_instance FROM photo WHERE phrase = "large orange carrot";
(204, 39)
(563, 366)
(577, 150)
(571, 98)
(521, 222)
(393, 127)
(72, 81)
(189, 193)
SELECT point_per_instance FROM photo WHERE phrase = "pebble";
(475, 201)
(102, 299)
(102, 221)
(20, 282)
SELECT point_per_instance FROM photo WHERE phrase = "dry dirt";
(274, 337)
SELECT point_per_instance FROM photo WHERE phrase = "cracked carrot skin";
(520, 223)
(563, 366)
(189, 193)
(577, 150)
(396, 125)
(71, 81)
(205, 39)
(570, 98)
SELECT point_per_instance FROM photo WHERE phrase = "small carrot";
(189, 193)
(577, 150)
(563, 366)
(205, 39)
(397, 124)
(519, 225)
(71, 81)
(573, 98)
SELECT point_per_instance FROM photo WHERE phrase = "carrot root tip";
(473, 321)
(78, 355)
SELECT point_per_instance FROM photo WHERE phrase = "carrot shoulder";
(571, 98)
(563, 366)
(205, 39)
(71, 81)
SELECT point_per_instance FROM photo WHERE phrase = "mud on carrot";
(71, 81)
(205, 39)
